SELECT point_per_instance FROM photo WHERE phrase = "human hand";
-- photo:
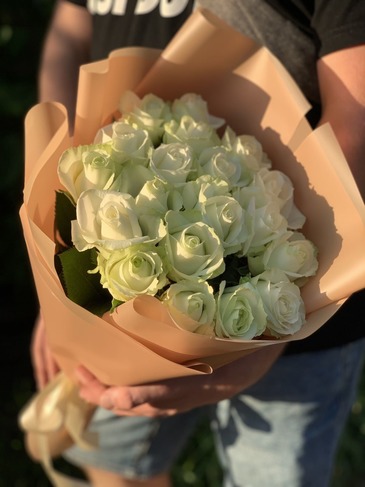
(44, 365)
(172, 396)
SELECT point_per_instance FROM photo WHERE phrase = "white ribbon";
(54, 419)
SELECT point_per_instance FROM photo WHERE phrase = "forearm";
(245, 372)
(341, 77)
(58, 74)
(66, 47)
(351, 137)
(182, 394)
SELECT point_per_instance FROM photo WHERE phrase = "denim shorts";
(283, 431)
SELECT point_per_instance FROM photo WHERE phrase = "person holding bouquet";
(277, 414)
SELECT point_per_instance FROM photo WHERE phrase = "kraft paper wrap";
(247, 85)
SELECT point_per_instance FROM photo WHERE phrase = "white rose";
(130, 144)
(150, 104)
(133, 271)
(240, 312)
(248, 147)
(280, 188)
(133, 177)
(192, 306)
(264, 219)
(104, 135)
(224, 164)
(87, 167)
(269, 224)
(282, 302)
(196, 191)
(292, 253)
(228, 219)
(193, 248)
(196, 107)
(198, 135)
(172, 162)
(254, 193)
(157, 197)
(149, 113)
(107, 220)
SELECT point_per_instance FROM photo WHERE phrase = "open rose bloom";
(244, 84)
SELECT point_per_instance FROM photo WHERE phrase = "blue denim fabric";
(135, 447)
(282, 432)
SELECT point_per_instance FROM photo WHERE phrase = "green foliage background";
(22, 29)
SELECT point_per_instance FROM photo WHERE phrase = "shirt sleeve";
(339, 24)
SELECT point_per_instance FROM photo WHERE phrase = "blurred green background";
(22, 28)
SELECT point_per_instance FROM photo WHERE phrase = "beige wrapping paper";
(246, 85)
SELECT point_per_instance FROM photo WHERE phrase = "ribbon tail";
(53, 420)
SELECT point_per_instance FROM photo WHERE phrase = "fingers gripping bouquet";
(178, 246)
(162, 205)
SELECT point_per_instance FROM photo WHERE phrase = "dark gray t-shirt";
(145, 23)
(298, 32)
(333, 24)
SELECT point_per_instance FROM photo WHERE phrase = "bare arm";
(66, 46)
(341, 77)
(174, 396)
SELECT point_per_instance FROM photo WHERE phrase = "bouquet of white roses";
(177, 242)
(179, 223)
(162, 205)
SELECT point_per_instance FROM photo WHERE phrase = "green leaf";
(82, 287)
(65, 213)
(115, 304)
